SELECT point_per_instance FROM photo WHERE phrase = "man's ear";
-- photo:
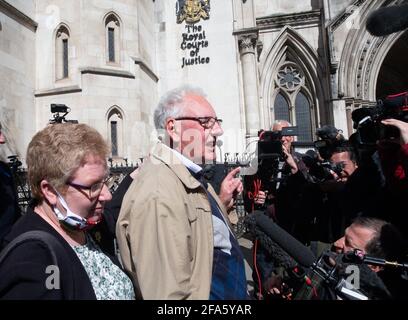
(172, 131)
(48, 192)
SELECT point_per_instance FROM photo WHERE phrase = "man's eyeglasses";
(95, 189)
(206, 122)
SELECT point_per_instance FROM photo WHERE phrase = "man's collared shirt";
(221, 230)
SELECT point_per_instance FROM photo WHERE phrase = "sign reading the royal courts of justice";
(194, 38)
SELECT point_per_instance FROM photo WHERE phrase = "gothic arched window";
(115, 128)
(62, 45)
(291, 100)
(112, 31)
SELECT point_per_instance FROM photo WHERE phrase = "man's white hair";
(281, 123)
(170, 104)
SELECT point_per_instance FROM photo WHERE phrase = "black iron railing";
(119, 170)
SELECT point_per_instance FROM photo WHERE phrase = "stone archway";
(362, 55)
(393, 75)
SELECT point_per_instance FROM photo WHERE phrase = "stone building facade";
(309, 61)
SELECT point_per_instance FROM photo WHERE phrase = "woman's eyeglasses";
(95, 189)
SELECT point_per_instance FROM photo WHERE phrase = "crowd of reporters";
(319, 196)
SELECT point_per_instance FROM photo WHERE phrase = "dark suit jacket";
(23, 274)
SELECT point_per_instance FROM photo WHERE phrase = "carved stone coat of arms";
(192, 11)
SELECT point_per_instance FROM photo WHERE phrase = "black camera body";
(322, 170)
(269, 163)
(59, 108)
(270, 144)
(367, 121)
(270, 153)
(56, 109)
(337, 168)
(325, 280)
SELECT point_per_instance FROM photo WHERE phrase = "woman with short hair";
(67, 172)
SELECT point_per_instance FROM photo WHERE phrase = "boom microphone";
(387, 20)
(288, 243)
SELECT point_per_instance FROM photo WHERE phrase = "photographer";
(348, 188)
(295, 176)
(279, 162)
(379, 239)
(276, 188)
(366, 247)
(9, 209)
(280, 176)
(334, 202)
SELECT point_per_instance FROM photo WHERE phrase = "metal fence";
(22, 188)
(232, 161)
(120, 170)
(117, 170)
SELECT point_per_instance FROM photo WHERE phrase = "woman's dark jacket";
(23, 275)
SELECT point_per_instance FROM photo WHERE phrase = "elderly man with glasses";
(173, 231)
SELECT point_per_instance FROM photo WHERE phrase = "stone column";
(247, 45)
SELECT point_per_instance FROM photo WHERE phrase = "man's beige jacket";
(165, 232)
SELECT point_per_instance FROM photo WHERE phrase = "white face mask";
(71, 219)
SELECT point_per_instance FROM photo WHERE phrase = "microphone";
(358, 256)
(300, 253)
(387, 20)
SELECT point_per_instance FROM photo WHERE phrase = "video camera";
(304, 276)
(330, 138)
(367, 121)
(56, 109)
(321, 170)
(270, 144)
(347, 276)
(271, 155)
(337, 168)
(327, 279)
(336, 276)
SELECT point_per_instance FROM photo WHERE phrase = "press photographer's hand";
(289, 160)
(402, 127)
(260, 198)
